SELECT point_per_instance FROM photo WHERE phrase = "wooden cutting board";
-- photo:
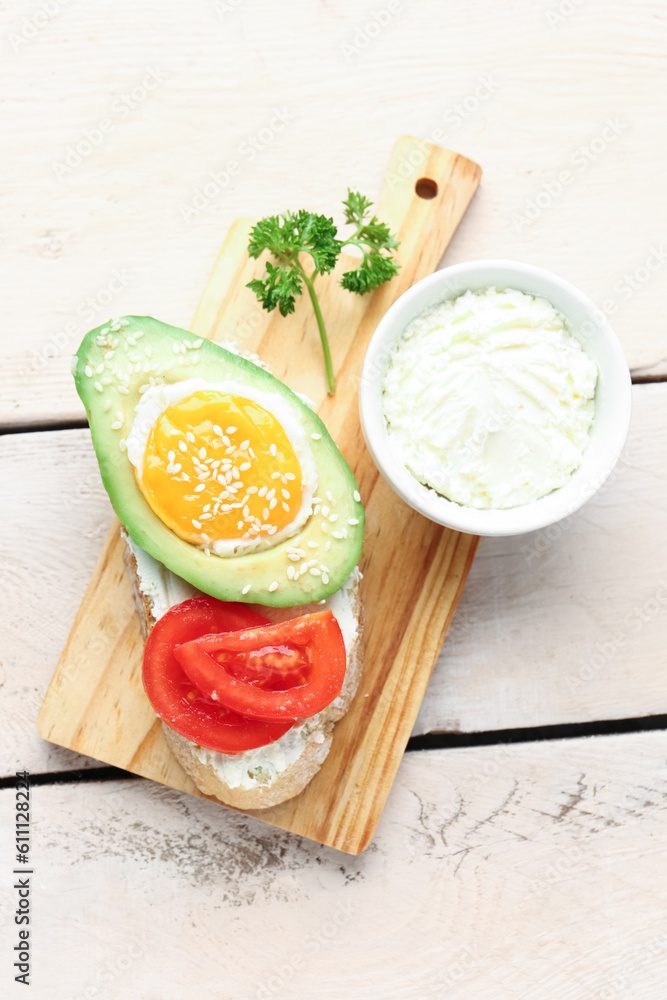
(414, 570)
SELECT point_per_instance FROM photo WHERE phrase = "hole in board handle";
(426, 188)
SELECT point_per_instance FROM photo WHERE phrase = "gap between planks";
(73, 425)
(416, 744)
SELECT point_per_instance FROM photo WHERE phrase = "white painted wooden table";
(529, 869)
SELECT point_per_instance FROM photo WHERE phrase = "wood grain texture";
(118, 231)
(527, 623)
(503, 873)
(568, 624)
(95, 703)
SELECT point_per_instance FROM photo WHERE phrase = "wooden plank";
(498, 872)
(104, 712)
(508, 654)
(568, 624)
(65, 238)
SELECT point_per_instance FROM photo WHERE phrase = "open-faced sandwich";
(243, 526)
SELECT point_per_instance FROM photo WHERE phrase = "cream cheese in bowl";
(500, 385)
(489, 398)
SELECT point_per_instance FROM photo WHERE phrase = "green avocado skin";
(121, 357)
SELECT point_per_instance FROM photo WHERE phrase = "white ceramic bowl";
(612, 398)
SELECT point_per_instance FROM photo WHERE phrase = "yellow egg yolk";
(218, 466)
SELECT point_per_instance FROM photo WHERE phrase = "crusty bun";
(269, 775)
(275, 789)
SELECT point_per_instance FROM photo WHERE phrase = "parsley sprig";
(286, 237)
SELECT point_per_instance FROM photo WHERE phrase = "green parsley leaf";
(286, 237)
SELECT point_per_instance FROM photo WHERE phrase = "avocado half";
(112, 367)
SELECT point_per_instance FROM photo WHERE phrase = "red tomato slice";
(290, 670)
(191, 712)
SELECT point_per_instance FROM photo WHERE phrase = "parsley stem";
(309, 283)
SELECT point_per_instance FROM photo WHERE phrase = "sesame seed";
(336, 534)
(285, 505)
(246, 511)
(231, 429)
(122, 444)
(356, 496)
(352, 520)
(314, 571)
(217, 429)
(116, 425)
(244, 445)
(205, 517)
(316, 437)
(270, 495)
(290, 475)
(325, 528)
(107, 406)
(294, 556)
(202, 453)
(100, 387)
(252, 489)
(200, 487)
(312, 545)
(275, 475)
(206, 509)
(329, 496)
(148, 352)
(327, 546)
(333, 518)
(171, 455)
(183, 446)
(190, 436)
(262, 491)
(244, 466)
(123, 389)
(273, 451)
(290, 572)
(197, 343)
(89, 371)
(246, 588)
(239, 525)
(273, 503)
(274, 586)
(195, 523)
(325, 511)
(286, 494)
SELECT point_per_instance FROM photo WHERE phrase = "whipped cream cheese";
(489, 398)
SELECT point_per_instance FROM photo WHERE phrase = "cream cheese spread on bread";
(162, 589)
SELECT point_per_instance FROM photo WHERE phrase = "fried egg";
(225, 466)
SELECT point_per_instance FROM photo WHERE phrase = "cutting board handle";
(425, 193)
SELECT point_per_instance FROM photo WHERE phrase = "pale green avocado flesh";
(112, 368)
